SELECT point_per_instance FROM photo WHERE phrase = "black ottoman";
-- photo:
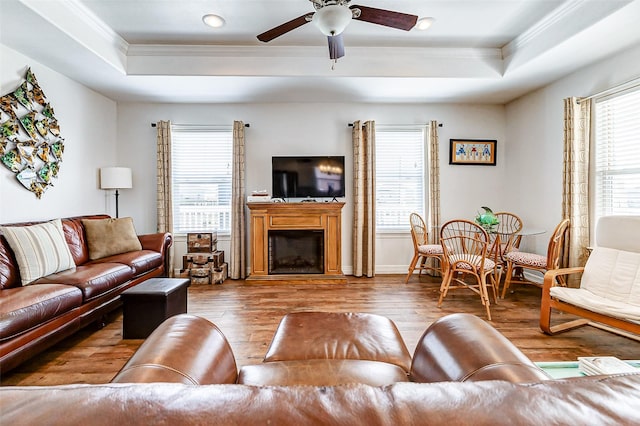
(148, 304)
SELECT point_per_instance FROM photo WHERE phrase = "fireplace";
(295, 243)
(296, 252)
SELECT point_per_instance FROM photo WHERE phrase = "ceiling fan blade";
(336, 46)
(388, 18)
(285, 28)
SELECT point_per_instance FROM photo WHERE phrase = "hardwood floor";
(249, 314)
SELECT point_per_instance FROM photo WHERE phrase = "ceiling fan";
(333, 16)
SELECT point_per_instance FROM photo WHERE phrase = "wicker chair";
(533, 261)
(465, 245)
(505, 235)
(422, 250)
(508, 228)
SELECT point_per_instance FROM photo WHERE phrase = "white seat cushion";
(610, 284)
(619, 232)
(587, 300)
(614, 275)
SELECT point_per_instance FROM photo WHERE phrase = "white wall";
(534, 132)
(88, 125)
(100, 133)
(527, 179)
(317, 129)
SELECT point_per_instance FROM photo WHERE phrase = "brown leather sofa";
(185, 373)
(367, 349)
(33, 317)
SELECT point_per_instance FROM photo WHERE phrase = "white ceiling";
(160, 51)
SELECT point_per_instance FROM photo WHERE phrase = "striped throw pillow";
(40, 249)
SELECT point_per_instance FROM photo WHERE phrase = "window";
(201, 159)
(400, 175)
(617, 154)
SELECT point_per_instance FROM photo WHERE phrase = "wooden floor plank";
(248, 315)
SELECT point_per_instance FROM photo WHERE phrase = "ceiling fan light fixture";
(332, 19)
(214, 21)
(424, 23)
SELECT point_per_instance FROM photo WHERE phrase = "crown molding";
(566, 21)
(161, 50)
(103, 30)
(269, 61)
(545, 24)
(78, 23)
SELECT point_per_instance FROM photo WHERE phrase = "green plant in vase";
(487, 220)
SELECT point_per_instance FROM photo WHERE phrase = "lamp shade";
(115, 178)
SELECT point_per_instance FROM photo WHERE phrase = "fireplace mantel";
(296, 216)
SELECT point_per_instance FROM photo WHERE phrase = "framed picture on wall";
(478, 152)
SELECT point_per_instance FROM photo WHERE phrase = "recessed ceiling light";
(424, 23)
(213, 21)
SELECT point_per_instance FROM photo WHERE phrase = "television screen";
(302, 177)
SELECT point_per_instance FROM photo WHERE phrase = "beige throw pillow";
(39, 249)
(106, 237)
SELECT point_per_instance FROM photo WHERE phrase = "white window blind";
(201, 159)
(400, 175)
(617, 156)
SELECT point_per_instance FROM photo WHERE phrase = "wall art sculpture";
(30, 141)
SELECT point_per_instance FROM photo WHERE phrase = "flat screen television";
(307, 177)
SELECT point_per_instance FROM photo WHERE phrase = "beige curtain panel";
(363, 137)
(575, 194)
(433, 217)
(434, 184)
(163, 171)
(237, 259)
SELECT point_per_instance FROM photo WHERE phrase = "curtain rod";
(154, 125)
(408, 125)
(630, 84)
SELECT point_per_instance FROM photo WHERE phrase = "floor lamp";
(115, 178)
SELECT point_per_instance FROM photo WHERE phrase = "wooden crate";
(202, 242)
(204, 268)
(218, 275)
(217, 258)
(202, 260)
(200, 275)
(195, 261)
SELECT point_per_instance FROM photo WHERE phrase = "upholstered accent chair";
(609, 291)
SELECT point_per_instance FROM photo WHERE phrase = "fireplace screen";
(296, 252)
